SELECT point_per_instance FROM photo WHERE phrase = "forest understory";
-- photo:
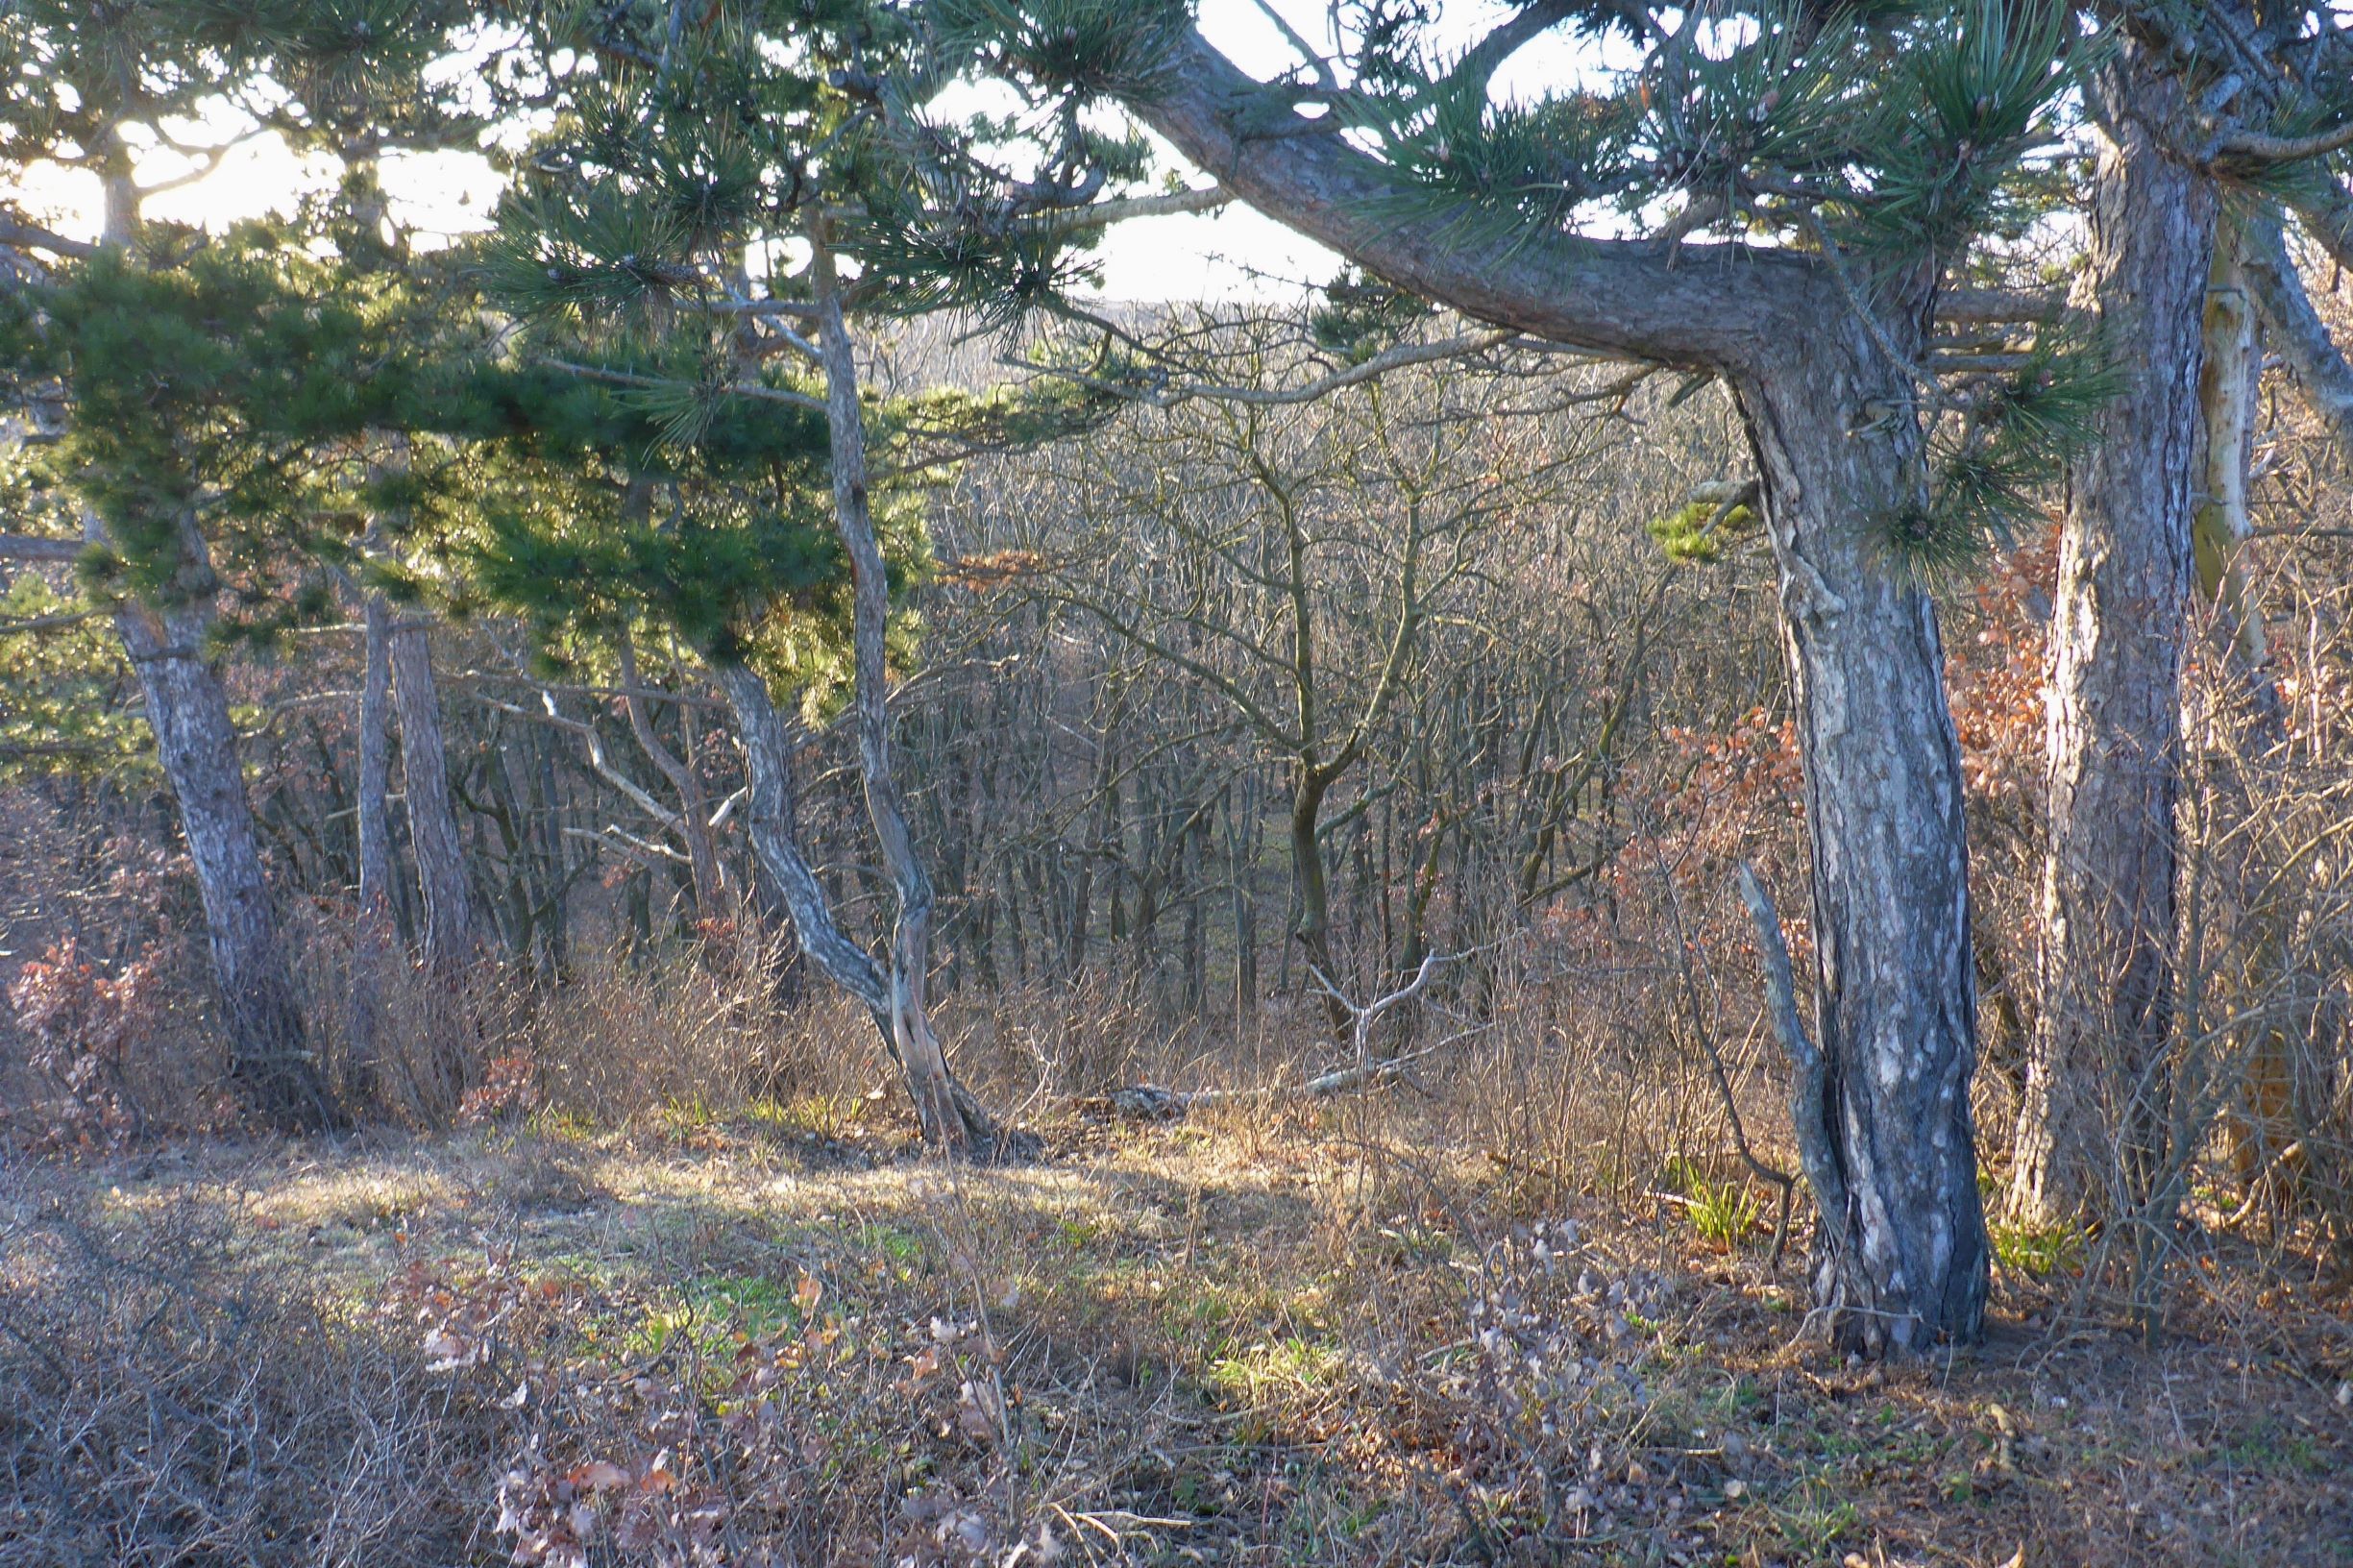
(1343, 1332)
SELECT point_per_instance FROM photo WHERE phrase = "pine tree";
(724, 190)
(208, 396)
(2209, 120)
(1796, 199)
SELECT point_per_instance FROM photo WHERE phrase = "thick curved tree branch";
(2302, 337)
(1715, 307)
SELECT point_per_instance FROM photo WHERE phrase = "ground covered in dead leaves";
(784, 1338)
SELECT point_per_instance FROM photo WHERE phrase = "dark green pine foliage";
(232, 386)
(578, 507)
(68, 701)
(223, 397)
(663, 403)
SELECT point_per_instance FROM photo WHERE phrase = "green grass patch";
(2038, 1250)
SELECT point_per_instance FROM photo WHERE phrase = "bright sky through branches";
(1235, 254)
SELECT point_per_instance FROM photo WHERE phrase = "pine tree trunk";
(950, 1117)
(1901, 1255)
(1901, 1248)
(270, 1056)
(371, 945)
(451, 936)
(2092, 1099)
(768, 763)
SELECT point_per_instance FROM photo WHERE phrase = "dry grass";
(1327, 1334)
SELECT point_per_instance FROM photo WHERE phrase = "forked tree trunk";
(2092, 1110)
(1901, 1254)
(270, 1054)
(768, 763)
(451, 936)
(950, 1117)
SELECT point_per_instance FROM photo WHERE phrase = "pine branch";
(666, 383)
(20, 547)
(2246, 146)
(17, 232)
(2304, 339)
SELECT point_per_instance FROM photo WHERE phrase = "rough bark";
(950, 1117)
(371, 947)
(2091, 1105)
(451, 936)
(1901, 1254)
(270, 1054)
(1901, 1249)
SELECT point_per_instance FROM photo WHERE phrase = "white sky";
(1237, 253)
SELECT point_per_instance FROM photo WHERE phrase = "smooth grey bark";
(2230, 377)
(451, 935)
(2297, 330)
(271, 1059)
(2091, 1108)
(950, 1117)
(1900, 1251)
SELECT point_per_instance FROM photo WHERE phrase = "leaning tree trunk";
(2092, 1110)
(1900, 1252)
(768, 767)
(270, 1056)
(452, 937)
(950, 1117)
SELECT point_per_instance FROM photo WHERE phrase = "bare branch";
(1808, 1105)
(1123, 210)
(1168, 394)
